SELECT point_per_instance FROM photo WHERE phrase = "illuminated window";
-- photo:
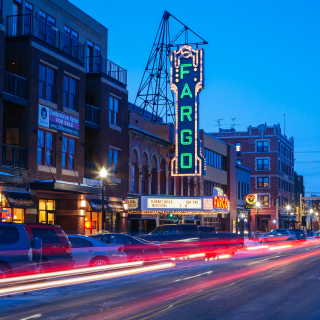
(238, 147)
(263, 182)
(47, 211)
(263, 200)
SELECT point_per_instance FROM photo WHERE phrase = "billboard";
(57, 120)
(187, 71)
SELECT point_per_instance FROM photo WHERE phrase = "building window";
(263, 182)
(47, 83)
(68, 153)
(262, 146)
(70, 92)
(46, 148)
(71, 45)
(263, 200)
(28, 10)
(144, 179)
(133, 178)
(47, 31)
(262, 164)
(238, 148)
(1, 9)
(47, 211)
(113, 162)
(215, 160)
(114, 111)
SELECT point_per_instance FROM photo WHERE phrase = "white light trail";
(281, 247)
(196, 255)
(78, 280)
(257, 247)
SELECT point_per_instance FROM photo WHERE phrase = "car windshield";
(157, 230)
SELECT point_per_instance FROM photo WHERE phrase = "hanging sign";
(251, 200)
(187, 81)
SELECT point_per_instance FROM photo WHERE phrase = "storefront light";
(83, 204)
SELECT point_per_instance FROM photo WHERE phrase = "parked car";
(16, 251)
(90, 252)
(279, 235)
(56, 248)
(258, 235)
(300, 235)
(185, 239)
(207, 229)
(135, 249)
(312, 234)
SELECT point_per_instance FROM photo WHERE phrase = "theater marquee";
(187, 81)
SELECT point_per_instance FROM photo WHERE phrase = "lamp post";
(257, 207)
(103, 175)
(288, 210)
(311, 211)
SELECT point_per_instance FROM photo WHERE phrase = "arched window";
(144, 174)
(154, 175)
(163, 176)
(134, 172)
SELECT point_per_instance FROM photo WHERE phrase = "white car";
(89, 252)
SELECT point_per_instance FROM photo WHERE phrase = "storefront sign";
(115, 206)
(57, 120)
(92, 183)
(187, 81)
(133, 203)
(220, 202)
(171, 203)
(251, 200)
(207, 204)
(21, 200)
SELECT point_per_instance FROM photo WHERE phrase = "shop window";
(263, 182)
(13, 215)
(47, 211)
(70, 93)
(114, 111)
(113, 162)
(47, 83)
(69, 153)
(13, 136)
(46, 148)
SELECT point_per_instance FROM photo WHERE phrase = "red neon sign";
(220, 202)
(88, 224)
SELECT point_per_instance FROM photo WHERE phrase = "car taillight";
(30, 255)
(68, 250)
(120, 249)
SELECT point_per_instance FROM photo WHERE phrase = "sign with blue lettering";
(187, 81)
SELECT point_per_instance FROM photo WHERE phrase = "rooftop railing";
(28, 24)
(14, 157)
(92, 115)
(104, 65)
(15, 85)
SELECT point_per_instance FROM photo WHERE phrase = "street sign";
(187, 70)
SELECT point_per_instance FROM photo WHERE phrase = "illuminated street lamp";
(103, 175)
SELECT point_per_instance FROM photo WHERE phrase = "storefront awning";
(63, 186)
(10, 179)
(110, 206)
(21, 200)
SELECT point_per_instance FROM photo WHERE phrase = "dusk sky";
(262, 62)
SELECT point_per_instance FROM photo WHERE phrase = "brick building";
(269, 155)
(63, 116)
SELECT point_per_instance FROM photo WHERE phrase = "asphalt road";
(280, 284)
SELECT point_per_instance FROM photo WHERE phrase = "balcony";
(16, 87)
(91, 171)
(104, 65)
(92, 117)
(14, 157)
(28, 24)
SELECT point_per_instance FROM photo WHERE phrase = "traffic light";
(274, 202)
(170, 216)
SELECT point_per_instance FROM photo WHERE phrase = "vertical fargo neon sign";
(187, 81)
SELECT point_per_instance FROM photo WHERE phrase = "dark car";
(56, 248)
(207, 229)
(300, 235)
(135, 249)
(16, 252)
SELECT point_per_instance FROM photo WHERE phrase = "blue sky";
(262, 61)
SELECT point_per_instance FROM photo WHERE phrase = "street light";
(103, 175)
